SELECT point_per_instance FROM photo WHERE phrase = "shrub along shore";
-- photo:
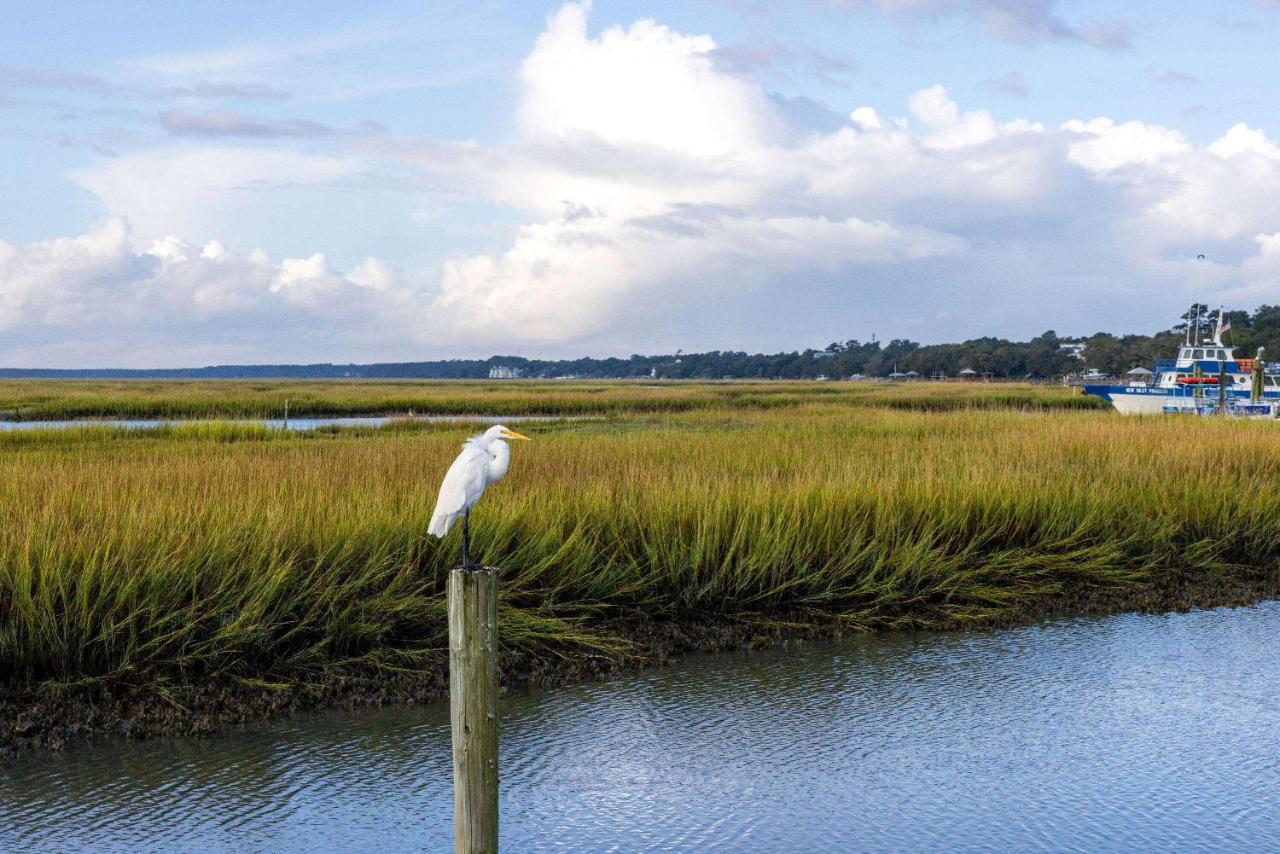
(177, 579)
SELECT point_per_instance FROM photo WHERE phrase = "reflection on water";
(1129, 732)
(279, 423)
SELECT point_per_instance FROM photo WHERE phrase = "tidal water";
(1133, 732)
(303, 423)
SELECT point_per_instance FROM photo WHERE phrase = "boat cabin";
(1188, 355)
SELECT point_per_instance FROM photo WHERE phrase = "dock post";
(473, 707)
(1222, 388)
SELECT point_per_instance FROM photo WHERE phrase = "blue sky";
(334, 181)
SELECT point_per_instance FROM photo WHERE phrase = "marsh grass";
(32, 400)
(205, 551)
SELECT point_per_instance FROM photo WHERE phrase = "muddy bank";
(54, 718)
(51, 718)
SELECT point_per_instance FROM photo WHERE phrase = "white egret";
(483, 461)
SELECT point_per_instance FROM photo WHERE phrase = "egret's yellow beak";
(512, 434)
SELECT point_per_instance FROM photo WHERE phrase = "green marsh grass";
(197, 551)
(33, 400)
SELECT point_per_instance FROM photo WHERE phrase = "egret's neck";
(500, 458)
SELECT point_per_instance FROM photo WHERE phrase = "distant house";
(1075, 351)
(968, 374)
(505, 372)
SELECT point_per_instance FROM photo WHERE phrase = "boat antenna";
(1193, 338)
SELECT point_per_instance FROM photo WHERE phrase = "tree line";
(1043, 357)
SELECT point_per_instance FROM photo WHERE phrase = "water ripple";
(1129, 732)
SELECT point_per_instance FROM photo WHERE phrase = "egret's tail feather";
(440, 524)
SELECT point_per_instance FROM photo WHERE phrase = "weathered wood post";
(1222, 387)
(473, 707)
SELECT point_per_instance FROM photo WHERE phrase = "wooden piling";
(1222, 388)
(473, 707)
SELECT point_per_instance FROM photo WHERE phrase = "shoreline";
(39, 718)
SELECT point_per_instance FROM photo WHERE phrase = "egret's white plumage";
(483, 461)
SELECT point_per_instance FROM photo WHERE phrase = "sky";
(233, 182)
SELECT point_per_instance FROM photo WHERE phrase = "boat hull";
(1151, 400)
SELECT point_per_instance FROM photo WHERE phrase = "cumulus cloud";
(99, 300)
(943, 190)
(665, 199)
(1104, 146)
(580, 276)
(646, 87)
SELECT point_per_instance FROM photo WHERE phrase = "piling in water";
(473, 707)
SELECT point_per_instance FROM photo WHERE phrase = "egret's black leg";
(466, 539)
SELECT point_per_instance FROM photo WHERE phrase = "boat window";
(1197, 354)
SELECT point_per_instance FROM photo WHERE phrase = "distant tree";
(1202, 319)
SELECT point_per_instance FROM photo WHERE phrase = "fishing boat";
(1205, 379)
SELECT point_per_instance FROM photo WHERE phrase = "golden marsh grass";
(238, 551)
(31, 400)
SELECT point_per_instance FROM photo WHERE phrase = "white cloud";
(866, 118)
(950, 128)
(1244, 140)
(372, 273)
(1004, 201)
(643, 87)
(579, 276)
(96, 300)
(201, 191)
(665, 202)
(1104, 145)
